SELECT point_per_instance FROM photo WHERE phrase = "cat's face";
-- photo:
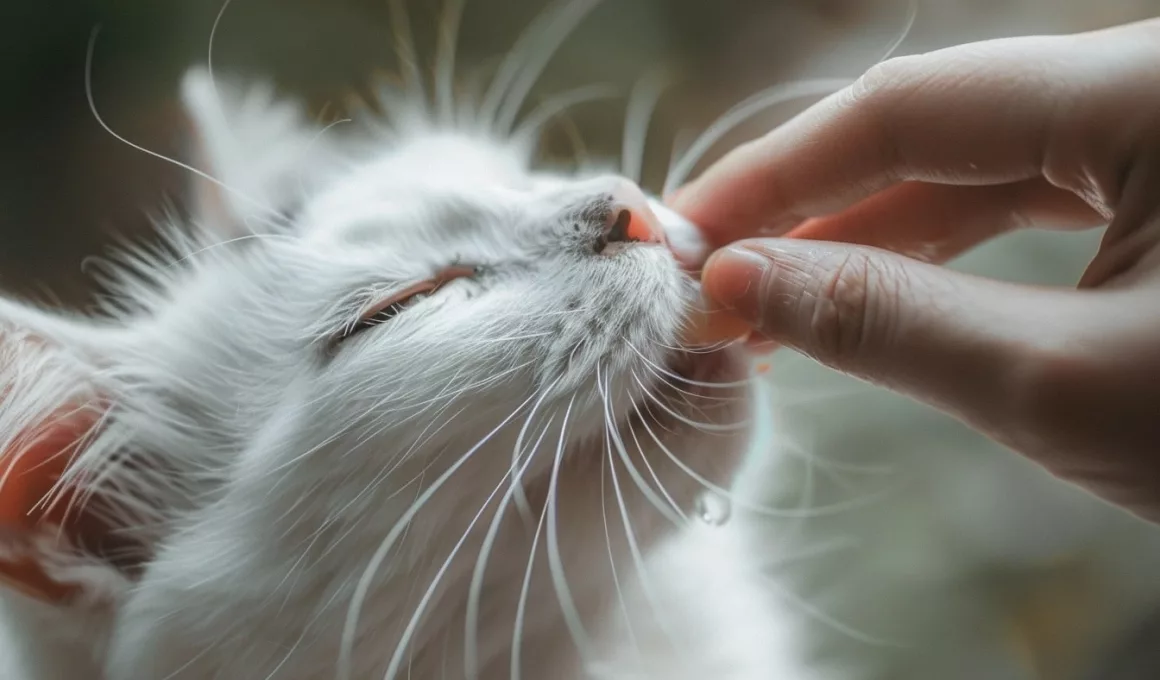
(383, 337)
(421, 306)
(423, 293)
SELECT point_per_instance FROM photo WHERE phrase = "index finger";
(974, 114)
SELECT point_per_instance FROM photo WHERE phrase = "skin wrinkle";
(1065, 377)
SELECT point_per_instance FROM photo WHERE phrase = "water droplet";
(714, 510)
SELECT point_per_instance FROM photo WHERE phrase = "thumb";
(954, 341)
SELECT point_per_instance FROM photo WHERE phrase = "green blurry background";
(969, 565)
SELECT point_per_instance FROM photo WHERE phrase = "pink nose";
(631, 218)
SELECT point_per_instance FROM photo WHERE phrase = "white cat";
(403, 407)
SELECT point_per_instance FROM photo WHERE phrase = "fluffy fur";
(501, 481)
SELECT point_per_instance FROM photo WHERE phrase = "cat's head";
(362, 312)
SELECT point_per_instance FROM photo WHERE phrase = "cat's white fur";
(304, 503)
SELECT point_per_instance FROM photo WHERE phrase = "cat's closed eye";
(390, 307)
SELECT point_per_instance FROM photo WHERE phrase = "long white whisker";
(911, 17)
(209, 51)
(687, 381)
(604, 461)
(544, 113)
(413, 624)
(475, 591)
(310, 145)
(364, 583)
(629, 534)
(555, 564)
(520, 498)
(740, 502)
(652, 473)
(189, 168)
(827, 619)
(642, 103)
(521, 606)
(408, 59)
(523, 64)
(676, 518)
(445, 59)
(703, 427)
(742, 112)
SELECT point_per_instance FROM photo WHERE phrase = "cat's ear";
(55, 545)
(263, 153)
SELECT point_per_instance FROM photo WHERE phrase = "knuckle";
(852, 308)
(883, 82)
(880, 96)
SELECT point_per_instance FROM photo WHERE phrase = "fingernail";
(731, 277)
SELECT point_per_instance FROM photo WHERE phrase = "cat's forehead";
(410, 183)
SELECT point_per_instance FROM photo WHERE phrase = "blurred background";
(952, 559)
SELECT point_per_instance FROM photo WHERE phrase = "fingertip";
(731, 274)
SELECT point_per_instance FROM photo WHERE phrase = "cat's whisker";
(349, 630)
(513, 61)
(682, 142)
(740, 502)
(618, 444)
(568, 608)
(472, 94)
(798, 450)
(658, 421)
(813, 552)
(310, 145)
(604, 462)
(429, 403)
(278, 217)
(908, 26)
(652, 473)
(516, 494)
(747, 109)
(579, 149)
(685, 161)
(673, 393)
(445, 59)
(510, 338)
(226, 243)
(209, 51)
(381, 423)
(520, 498)
(533, 125)
(796, 526)
(521, 606)
(642, 102)
(675, 386)
(565, 18)
(309, 624)
(475, 589)
(825, 618)
(703, 427)
(408, 59)
(680, 378)
(413, 623)
(697, 348)
(380, 477)
(629, 534)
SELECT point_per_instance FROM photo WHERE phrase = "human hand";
(927, 156)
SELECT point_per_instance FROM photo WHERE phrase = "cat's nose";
(631, 219)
